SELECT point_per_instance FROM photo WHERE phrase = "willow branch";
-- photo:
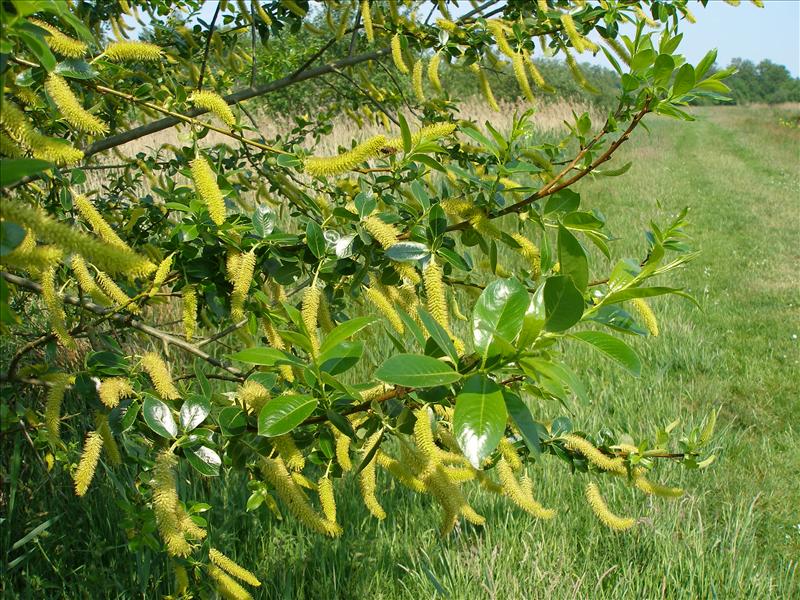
(208, 46)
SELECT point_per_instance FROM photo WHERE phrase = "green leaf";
(202, 380)
(232, 421)
(705, 64)
(557, 373)
(684, 81)
(480, 138)
(33, 40)
(407, 252)
(341, 358)
(498, 313)
(533, 321)
(613, 348)
(282, 414)
(562, 201)
(645, 292)
(663, 68)
(531, 431)
(263, 220)
(158, 417)
(563, 303)
(128, 414)
(266, 357)
(572, 258)
(11, 236)
(315, 240)
(416, 371)
(345, 330)
(479, 419)
(14, 169)
(643, 59)
(194, 411)
(76, 69)
(405, 132)
(204, 460)
(439, 335)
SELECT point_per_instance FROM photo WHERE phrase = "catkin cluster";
(326, 166)
(205, 184)
(214, 103)
(157, 370)
(174, 525)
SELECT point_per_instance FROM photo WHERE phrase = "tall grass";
(735, 534)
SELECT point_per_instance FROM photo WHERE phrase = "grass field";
(735, 534)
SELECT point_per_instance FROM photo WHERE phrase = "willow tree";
(462, 251)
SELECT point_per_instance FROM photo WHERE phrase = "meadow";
(734, 534)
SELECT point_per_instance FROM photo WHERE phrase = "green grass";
(735, 534)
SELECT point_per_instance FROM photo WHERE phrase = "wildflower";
(600, 508)
(88, 463)
(214, 103)
(205, 184)
(69, 106)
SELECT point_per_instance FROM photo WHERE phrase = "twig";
(208, 46)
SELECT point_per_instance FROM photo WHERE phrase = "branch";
(208, 46)
(128, 321)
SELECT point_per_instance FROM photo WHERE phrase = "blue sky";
(746, 31)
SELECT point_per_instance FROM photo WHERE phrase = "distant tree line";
(765, 82)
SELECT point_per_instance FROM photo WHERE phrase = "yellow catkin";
(276, 341)
(379, 300)
(342, 449)
(253, 396)
(241, 284)
(447, 25)
(509, 453)
(530, 252)
(70, 108)
(8, 147)
(619, 50)
(109, 258)
(227, 586)
(366, 480)
(451, 499)
(232, 262)
(656, 489)
(159, 374)
(99, 225)
(262, 14)
(575, 38)
(386, 235)
(187, 525)
(55, 308)
(88, 463)
(132, 51)
(600, 508)
(642, 16)
(323, 166)
(429, 132)
(109, 443)
(585, 448)
(226, 564)
(52, 411)
(416, 80)
(309, 313)
(214, 103)
(162, 272)
(366, 19)
(577, 74)
(20, 130)
(205, 184)
(518, 494)
(647, 315)
(114, 389)
(518, 63)
(165, 505)
(397, 54)
(181, 580)
(400, 471)
(59, 42)
(433, 72)
(292, 495)
(497, 29)
(189, 301)
(289, 452)
(86, 281)
(435, 293)
(326, 498)
(113, 291)
(486, 89)
(423, 437)
(56, 151)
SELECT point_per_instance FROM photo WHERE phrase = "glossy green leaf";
(158, 417)
(282, 414)
(613, 348)
(407, 252)
(194, 411)
(232, 421)
(263, 220)
(266, 357)
(405, 133)
(531, 431)
(684, 81)
(11, 236)
(498, 313)
(315, 240)
(75, 69)
(534, 320)
(345, 330)
(341, 358)
(479, 419)
(439, 335)
(563, 303)
(416, 371)
(572, 258)
(204, 460)
(14, 169)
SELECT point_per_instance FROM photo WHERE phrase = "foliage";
(281, 248)
(765, 82)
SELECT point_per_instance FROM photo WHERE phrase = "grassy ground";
(735, 534)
